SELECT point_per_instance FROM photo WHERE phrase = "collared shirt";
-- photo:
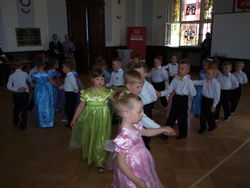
(241, 77)
(17, 80)
(211, 89)
(227, 81)
(70, 84)
(181, 86)
(172, 68)
(146, 121)
(158, 74)
(148, 94)
(117, 78)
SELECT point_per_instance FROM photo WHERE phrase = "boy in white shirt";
(17, 83)
(172, 68)
(117, 76)
(183, 87)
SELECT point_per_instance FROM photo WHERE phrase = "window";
(188, 22)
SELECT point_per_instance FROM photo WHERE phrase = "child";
(44, 95)
(228, 82)
(137, 58)
(196, 102)
(100, 62)
(241, 77)
(210, 98)
(56, 76)
(172, 68)
(158, 76)
(134, 164)
(17, 83)
(183, 87)
(92, 121)
(70, 90)
(148, 96)
(116, 79)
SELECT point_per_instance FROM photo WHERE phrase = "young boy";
(70, 89)
(17, 83)
(158, 76)
(183, 87)
(210, 98)
(228, 82)
(148, 96)
(117, 76)
(172, 68)
(134, 84)
(241, 77)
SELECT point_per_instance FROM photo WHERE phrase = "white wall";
(49, 16)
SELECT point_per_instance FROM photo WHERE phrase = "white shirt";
(158, 75)
(17, 80)
(241, 77)
(117, 78)
(211, 89)
(181, 86)
(70, 84)
(172, 68)
(148, 94)
(146, 121)
(227, 81)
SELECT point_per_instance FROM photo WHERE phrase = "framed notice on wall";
(28, 37)
(241, 5)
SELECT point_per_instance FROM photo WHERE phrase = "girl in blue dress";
(196, 103)
(44, 95)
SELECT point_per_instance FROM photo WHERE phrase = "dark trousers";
(206, 115)
(160, 86)
(179, 111)
(235, 98)
(20, 106)
(225, 99)
(69, 108)
(148, 111)
(170, 79)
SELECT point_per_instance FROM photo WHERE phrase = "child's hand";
(213, 109)
(141, 184)
(72, 123)
(158, 93)
(168, 131)
(21, 89)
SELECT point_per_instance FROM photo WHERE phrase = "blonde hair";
(132, 76)
(122, 101)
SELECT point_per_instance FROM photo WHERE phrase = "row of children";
(49, 94)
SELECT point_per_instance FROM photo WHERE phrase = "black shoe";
(227, 118)
(163, 137)
(212, 128)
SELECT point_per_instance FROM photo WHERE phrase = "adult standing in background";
(56, 49)
(68, 47)
(206, 47)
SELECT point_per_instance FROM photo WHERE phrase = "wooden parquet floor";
(39, 158)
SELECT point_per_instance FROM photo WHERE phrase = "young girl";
(134, 165)
(92, 121)
(44, 95)
(196, 103)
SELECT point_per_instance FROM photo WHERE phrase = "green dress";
(93, 126)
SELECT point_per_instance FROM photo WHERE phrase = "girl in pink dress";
(134, 166)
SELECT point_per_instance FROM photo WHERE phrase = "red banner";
(243, 4)
(137, 41)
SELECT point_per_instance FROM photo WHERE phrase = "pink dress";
(138, 159)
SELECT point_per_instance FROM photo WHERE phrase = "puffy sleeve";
(122, 143)
(83, 95)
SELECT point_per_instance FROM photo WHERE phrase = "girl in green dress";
(92, 121)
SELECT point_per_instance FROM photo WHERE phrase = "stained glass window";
(190, 10)
(206, 29)
(173, 33)
(208, 8)
(176, 10)
(189, 34)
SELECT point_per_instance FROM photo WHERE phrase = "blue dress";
(196, 103)
(44, 99)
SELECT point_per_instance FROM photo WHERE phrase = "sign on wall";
(242, 5)
(28, 37)
(137, 39)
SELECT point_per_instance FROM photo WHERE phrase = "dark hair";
(117, 59)
(69, 63)
(17, 64)
(185, 61)
(159, 57)
(40, 62)
(227, 63)
(132, 76)
(141, 65)
(96, 72)
(100, 61)
(52, 63)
